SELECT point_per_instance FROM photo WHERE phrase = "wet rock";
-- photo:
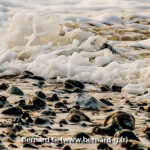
(66, 147)
(12, 146)
(26, 74)
(13, 111)
(26, 145)
(18, 128)
(49, 112)
(109, 130)
(26, 117)
(41, 121)
(40, 94)
(77, 116)
(116, 88)
(133, 145)
(38, 78)
(104, 146)
(15, 90)
(2, 147)
(148, 134)
(82, 136)
(4, 86)
(45, 131)
(53, 98)
(125, 133)
(123, 119)
(71, 84)
(63, 121)
(104, 88)
(2, 101)
(22, 103)
(38, 103)
(88, 102)
(60, 105)
(106, 102)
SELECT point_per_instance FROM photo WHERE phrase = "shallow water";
(62, 39)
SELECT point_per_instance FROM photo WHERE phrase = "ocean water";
(63, 39)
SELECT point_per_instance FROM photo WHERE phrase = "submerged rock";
(77, 116)
(71, 84)
(133, 145)
(2, 101)
(104, 146)
(4, 86)
(89, 102)
(13, 111)
(15, 90)
(125, 133)
(123, 119)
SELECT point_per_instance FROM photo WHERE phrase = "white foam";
(30, 40)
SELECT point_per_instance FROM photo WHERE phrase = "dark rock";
(71, 84)
(13, 111)
(2, 147)
(116, 88)
(26, 117)
(106, 102)
(63, 121)
(84, 125)
(148, 134)
(38, 78)
(53, 98)
(60, 105)
(125, 133)
(38, 103)
(109, 130)
(104, 88)
(123, 119)
(22, 103)
(41, 95)
(133, 145)
(104, 146)
(26, 74)
(4, 86)
(18, 128)
(40, 120)
(82, 136)
(105, 45)
(2, 101)
(49, 112)
(66, 147)
(29, 146)
(77, 116)
(13, 136)
(45, 131)
(12, 146)
(15, 90)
